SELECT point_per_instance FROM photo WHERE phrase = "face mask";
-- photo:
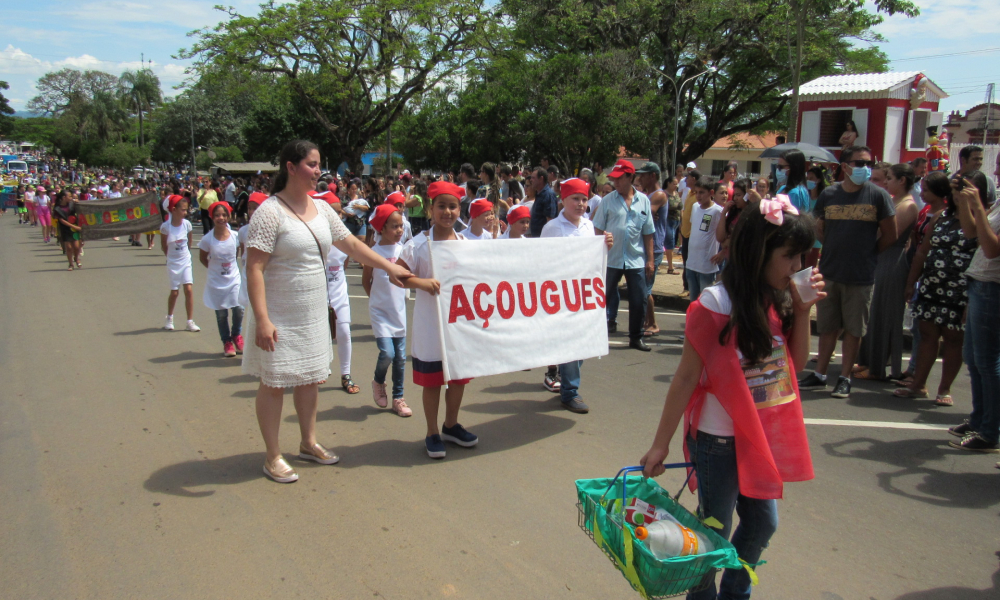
(781, 176)
(859, 175)
(811, 185)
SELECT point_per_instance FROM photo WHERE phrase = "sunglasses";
(862, 163)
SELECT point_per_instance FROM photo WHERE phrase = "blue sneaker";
(435, 447)
(458, 435)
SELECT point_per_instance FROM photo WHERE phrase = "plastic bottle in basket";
(666, 539)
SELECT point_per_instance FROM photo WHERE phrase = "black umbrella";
(813, 153)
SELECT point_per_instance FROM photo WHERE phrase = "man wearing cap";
(627, 214)
(649, 177)
(546, 206)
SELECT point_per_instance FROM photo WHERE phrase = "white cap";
(692, 165)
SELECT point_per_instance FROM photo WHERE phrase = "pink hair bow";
(774, 210)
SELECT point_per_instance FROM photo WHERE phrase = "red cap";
(173, 200)
(257, 198)
(517, 213)
(382, 213)
(223, 204)
(396, 198)
(574, 186)
(479, 206)
(328, 197)
(439, 188)
(622, 167)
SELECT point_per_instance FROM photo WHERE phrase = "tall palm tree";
(105, 114)
(140, 89)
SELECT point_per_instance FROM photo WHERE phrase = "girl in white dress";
(222, 286)
(287, 245)
(175, 241)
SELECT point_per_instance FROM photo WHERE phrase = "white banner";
(509, 305)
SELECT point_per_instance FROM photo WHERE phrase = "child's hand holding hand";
(398, 274)
(431, 286)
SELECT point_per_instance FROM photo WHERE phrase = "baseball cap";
(692, 165)
(622, 167)
(649, 167)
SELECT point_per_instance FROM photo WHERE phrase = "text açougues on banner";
(120, 216)
(509, 305)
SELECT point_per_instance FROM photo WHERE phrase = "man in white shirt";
(230, 191)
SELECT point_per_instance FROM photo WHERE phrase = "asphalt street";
(130, 467)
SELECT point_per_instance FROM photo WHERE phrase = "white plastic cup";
(803, 283)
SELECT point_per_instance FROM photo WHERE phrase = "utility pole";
(194, 165)
(989, 105)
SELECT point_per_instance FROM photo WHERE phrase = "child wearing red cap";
(427, 353)
(482, 221)
(387, 308)
(175, 241)
(518, 223)
(397, 200)
(217, 252)
(572, 222)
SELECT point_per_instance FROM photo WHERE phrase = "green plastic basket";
(602, 518)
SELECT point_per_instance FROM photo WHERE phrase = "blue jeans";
(714, 461)
(657, 261)
(697, 282)
(391, 351)
(569, 376)
(635, 279)
(222, 319)
(982, 355)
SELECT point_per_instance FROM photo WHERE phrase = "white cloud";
(945, 20)
(14, 61)
(192, 14)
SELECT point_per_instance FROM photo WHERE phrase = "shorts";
(845, 307)
(179, 276)
(431, 374)
(657, 261)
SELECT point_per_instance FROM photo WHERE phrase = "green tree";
(60, 90)
(6, 120)
(354, 64)
(426, 133)
(120, 155)
(140, 90)
(211, 117)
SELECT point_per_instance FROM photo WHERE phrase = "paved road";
(130, 468)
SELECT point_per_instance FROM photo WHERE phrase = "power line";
(981, 51)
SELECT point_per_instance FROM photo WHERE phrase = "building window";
(719, 167)
(919, 122)
(753, 168)
(832, 125)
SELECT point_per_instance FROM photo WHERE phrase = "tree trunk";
(793, 122)
(142, 139)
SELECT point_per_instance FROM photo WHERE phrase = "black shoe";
(973, 442)
(843, 389)
(576, 405)
(612, 327)
(639, 344)
(456, 434)
(960, 431)
(812, 380)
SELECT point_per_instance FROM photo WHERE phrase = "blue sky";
(111, 35)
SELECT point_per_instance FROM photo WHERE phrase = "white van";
(17, 166)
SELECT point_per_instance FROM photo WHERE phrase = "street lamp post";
(677, 107)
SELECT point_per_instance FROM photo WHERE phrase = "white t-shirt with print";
(387, 302)
(178, 253)
(703, 245)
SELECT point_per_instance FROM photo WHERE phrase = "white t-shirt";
(231, 193)
(703, 245)
(387, 303)
(222, 286)
(561, 227)
(29, 196)
(486, 235)
(592, 205)
(714, 419)
(178, 253)
(42, 200)
(114, 194)
(425, 332)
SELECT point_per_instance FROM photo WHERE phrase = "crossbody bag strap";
(301, 220)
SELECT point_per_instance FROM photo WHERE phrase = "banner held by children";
(509, 305)
(120, 216)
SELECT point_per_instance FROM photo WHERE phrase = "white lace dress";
(295, 288)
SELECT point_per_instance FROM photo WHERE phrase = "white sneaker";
(168, 324)
(192, 326)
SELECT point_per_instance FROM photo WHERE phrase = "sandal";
(904, 392)
(864, 374)
(904, 382)
(349, 385)
(671, 271)
(944, 400)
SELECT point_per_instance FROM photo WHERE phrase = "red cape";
(771, 443)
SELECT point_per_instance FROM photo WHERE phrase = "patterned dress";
(943, 289)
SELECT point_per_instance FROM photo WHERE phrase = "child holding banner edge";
(736, 389)
(427, 351)
(571, 223)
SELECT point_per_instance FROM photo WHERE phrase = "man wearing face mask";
(855, 221)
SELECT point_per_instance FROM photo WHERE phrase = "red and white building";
(892, 112)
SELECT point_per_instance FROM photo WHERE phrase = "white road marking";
(878, 424)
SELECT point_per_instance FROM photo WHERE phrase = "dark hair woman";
(288, 240)
(791, 177)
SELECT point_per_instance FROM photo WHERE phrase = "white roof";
(863, 83)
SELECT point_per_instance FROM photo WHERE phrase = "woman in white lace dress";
(288, 240)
